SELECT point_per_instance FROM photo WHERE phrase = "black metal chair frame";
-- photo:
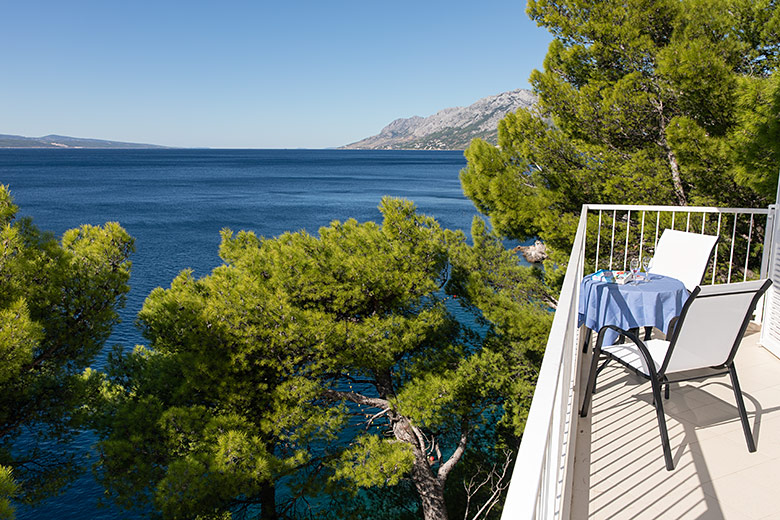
(658, 377)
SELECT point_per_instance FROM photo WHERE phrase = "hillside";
(451, 128)
(62, 141)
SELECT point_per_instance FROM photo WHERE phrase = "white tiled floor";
(715, 476)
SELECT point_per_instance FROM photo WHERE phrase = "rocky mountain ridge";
(451, 128)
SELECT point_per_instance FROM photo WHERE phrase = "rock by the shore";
(535, 253)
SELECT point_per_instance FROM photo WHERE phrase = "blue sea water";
(175, 202)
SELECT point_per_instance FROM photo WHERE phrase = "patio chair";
(705, 336)
(683, 256)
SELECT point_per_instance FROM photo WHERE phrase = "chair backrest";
(711, 325)
(683, 256)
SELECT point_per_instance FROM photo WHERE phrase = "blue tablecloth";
(650, 303)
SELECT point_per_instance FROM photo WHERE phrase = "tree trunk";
(679, 192)
(428, 485)
(430, 489)
(676, 180)
(268, 501)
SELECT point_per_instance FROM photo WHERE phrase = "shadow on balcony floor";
(715, 477)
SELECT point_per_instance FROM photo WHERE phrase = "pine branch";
(444, 469)
(498, 483)
(337, 395)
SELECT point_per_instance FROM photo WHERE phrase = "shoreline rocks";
(535, 253)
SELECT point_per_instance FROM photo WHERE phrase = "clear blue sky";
(253, 74)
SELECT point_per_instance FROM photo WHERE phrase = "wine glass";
(634, 265)
(646, 261)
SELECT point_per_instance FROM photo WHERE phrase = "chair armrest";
(627, 333)
(643, 351)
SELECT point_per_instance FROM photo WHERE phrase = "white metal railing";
(541, 486)
(723, 222)
(543, 462)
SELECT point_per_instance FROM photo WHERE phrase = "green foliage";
(19, 336)
(399, 502)
(335, 366)
(58, 304)
(373, 461)
(757, 133)
(644, 102)
(8, 489)
(193, 415)
(215, 461)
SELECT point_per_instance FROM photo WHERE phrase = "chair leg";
(741, 407)
(659, 411)
(586, 343)
(648, 333)
(590, 387)
(598, 371)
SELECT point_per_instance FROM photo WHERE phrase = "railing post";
(769, 236)
(770, 331)
(766, 255)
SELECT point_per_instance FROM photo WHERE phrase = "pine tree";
(642, 101)
(58, 304)
(325, 365)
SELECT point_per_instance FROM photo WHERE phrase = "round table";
(649, 303)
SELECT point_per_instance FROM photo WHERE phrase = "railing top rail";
(526, 479)
(679, 209)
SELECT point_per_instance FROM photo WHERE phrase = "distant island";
(451, 128)
(62, 141)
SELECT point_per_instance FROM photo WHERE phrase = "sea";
(174, 202)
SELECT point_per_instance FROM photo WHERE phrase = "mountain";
(451, 128)
(62, 141)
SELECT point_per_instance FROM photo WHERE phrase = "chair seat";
(684, 360)
(629, 354)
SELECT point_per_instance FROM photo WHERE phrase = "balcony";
(610, 464)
